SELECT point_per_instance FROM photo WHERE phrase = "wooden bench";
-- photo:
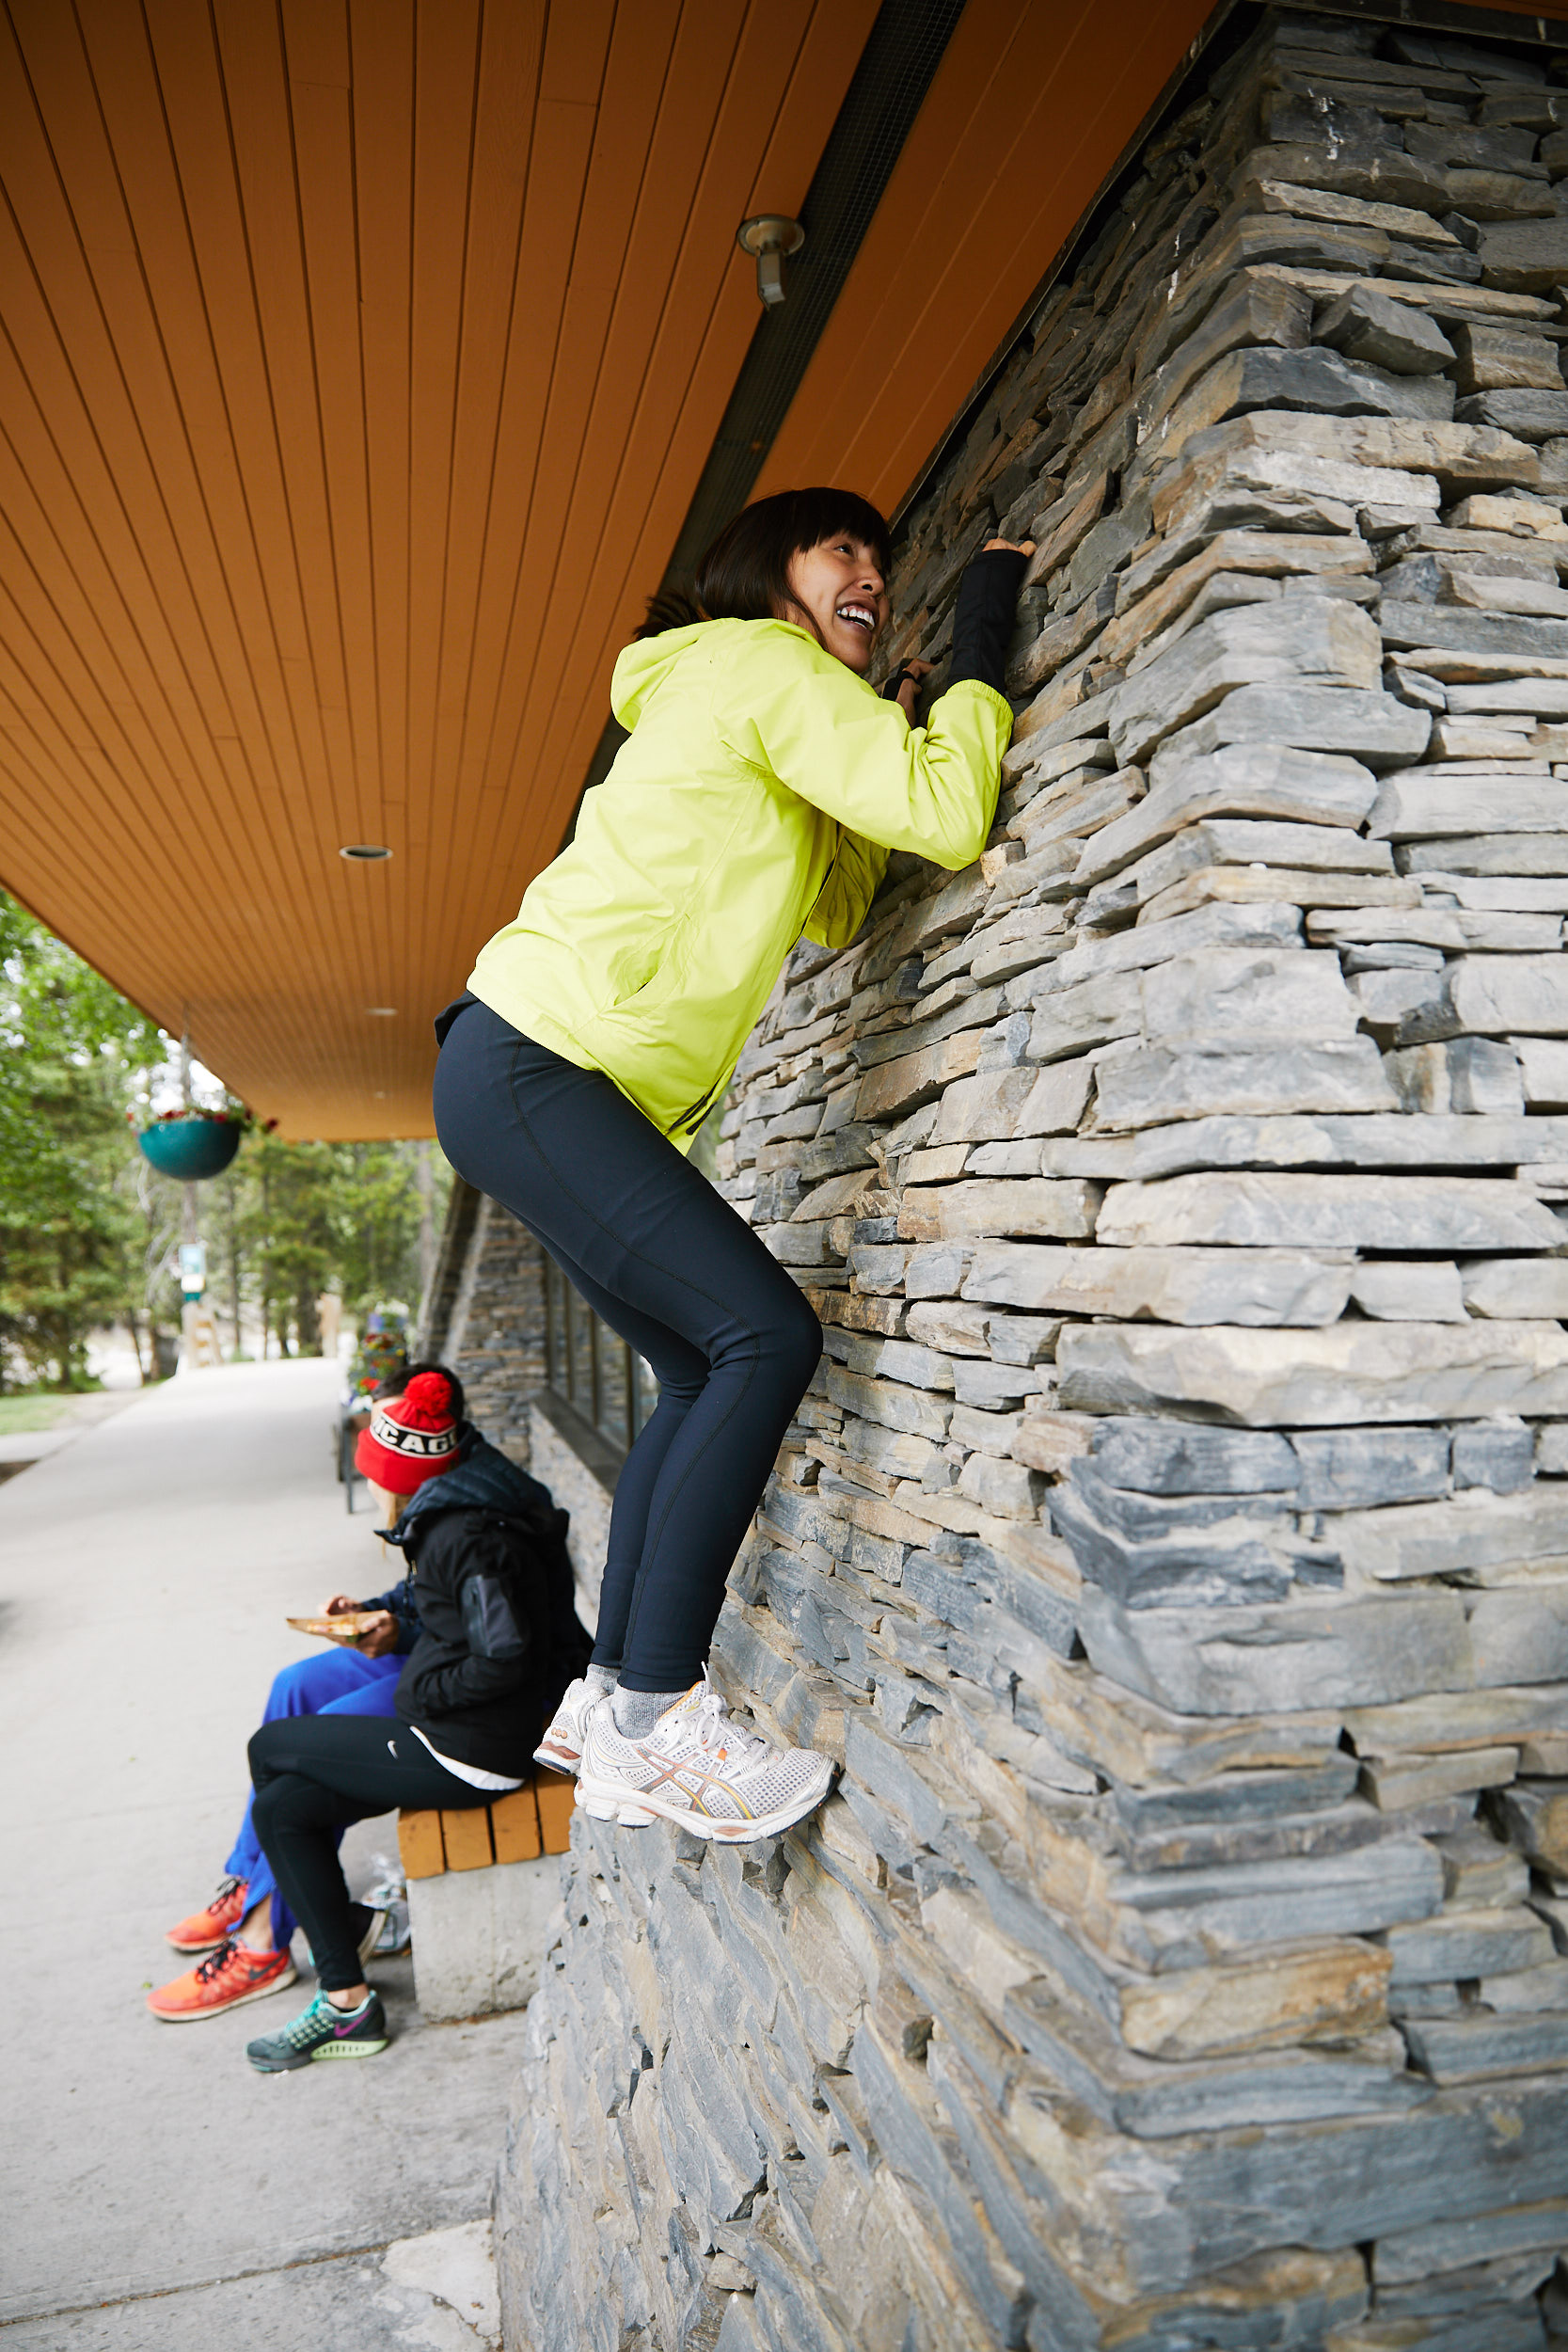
(483, 1898)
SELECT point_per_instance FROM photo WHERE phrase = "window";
(596, 1372)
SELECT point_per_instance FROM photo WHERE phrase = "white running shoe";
(562, 1745)
(698, 1766)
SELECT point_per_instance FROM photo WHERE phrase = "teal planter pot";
(189, 1149)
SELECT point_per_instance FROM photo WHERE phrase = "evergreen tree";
(89, 1233)
(73, 1054)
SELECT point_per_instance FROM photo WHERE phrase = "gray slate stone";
(1454, 631)
(1186, 1458)
(1315, 639)
(1316, 380)
(1531, 416)
(1154, 1084)
(1188, 1286)
(1288, 1656)
(1270, 781)
(1463, 1944)
(1411, 2255)
(1178, 1918)
(1369, 726)
(1152, 1553)
(1154, 2098)
(1525, 256)
(1282, 1211)
(1520, 1636)
(1496, 1455)
(1415, 1141)
(1344, 1469)
(1375, 1372)
(1371, 327)
(1480, 2048)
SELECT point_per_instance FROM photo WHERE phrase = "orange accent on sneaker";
(204, 1931)
(225, 1979)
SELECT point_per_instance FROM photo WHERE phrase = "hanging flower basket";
(190, 1145)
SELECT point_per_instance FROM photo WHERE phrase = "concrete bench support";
(485, 1897)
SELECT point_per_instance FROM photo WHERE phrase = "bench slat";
(556, 1794)
(518, 1827)
(515, 1825)
(421, 1845)
(466, 1834)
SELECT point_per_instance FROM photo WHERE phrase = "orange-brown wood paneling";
(1029, 111)
(1028, 114)
(358, 360)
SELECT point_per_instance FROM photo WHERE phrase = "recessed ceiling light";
(364, 852)
(382, 1012)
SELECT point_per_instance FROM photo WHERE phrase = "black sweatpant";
(652, 1247)
(315, 1773)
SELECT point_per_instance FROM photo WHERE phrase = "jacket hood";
(642, 667)
(483, 1479)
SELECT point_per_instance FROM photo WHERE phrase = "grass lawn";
(33, 1411)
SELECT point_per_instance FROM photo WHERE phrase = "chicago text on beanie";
(411, 1437)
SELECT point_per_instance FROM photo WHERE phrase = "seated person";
(500, 1641)
(248, 1927)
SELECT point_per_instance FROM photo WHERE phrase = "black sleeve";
(461, 1604)
(983, 622)
(437, 1689)
(399, 1603)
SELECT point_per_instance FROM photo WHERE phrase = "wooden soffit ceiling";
(356, 366)
(358, 362)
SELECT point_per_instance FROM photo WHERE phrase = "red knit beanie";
(411, 1437)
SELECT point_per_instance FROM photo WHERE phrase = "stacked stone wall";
(493, 1331)
(1174, 1546)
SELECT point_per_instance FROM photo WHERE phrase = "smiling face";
(839, 584)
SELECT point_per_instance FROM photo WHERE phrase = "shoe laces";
(227, 1889)
(215, 1963)
(717, 1733)
(302, 2028)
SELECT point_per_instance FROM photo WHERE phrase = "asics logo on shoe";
(698, 1785)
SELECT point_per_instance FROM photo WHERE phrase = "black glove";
(890, 691)
(983, 621)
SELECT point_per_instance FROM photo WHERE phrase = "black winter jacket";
(481, 1473)
(500, 1638)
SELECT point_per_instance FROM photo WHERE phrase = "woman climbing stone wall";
(1174, 1544)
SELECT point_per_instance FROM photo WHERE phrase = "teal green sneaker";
(323, 2031)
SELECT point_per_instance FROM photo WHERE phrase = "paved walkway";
(158, 2195)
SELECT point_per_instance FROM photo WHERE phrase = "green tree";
(294, 1219)
(73, 1059)
(88, 1231)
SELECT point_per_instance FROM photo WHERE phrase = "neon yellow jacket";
(762, 787)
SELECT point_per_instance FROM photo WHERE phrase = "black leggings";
(670, 1267)
(315, 1773)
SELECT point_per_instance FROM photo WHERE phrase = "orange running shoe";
(225, 1979)
(205, 1930)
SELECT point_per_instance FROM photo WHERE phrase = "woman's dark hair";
(745, 574)
(397, 1381)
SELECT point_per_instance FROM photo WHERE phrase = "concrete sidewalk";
(157, 2193)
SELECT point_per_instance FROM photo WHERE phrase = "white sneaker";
(562, 1745)
(372, 1936)
(699, 1767)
